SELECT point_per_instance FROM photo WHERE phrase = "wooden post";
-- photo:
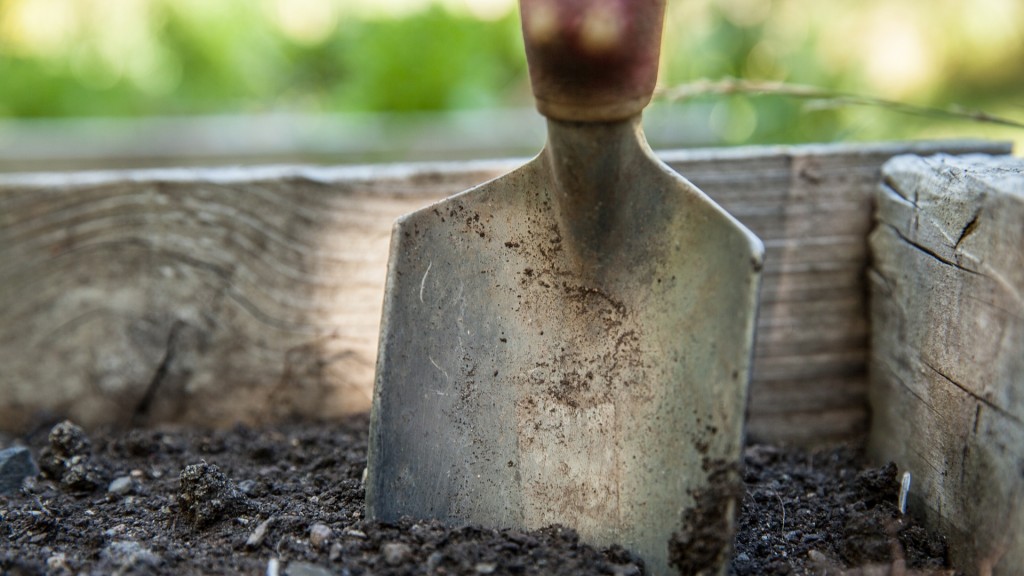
(947, 353)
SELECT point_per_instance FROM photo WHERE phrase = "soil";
(288, 500)
(824, 512)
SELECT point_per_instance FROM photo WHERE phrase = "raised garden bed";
(198, 299)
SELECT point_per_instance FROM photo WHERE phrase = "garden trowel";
(570, 343)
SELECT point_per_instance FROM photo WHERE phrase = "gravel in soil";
(288, 500)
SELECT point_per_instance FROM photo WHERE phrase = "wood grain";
(947, 359)
(222, 295)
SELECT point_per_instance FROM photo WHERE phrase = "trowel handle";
(592, 60)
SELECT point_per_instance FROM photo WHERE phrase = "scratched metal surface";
(569, 343)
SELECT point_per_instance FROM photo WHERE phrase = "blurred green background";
(114, 59)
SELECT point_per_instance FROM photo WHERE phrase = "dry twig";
(831, 98)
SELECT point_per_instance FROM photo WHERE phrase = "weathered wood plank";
(811, 427)
(947, 355)
(252, 294)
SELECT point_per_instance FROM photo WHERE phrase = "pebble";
(306, 569)
(319, 535)
(273, 567)
(127, 555)
(115, 531)
(355, 533)
(395, 553)
(58, 562)
(120, 486)
(819, 560)
(259, 534)
(485, 568)
(626, 570)
(335, 552)
(433, 561)
(16, 464)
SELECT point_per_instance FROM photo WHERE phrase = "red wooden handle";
(592, 60)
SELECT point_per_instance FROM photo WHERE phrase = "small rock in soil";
(626, 570)
(259, 534)
(58, 563)
(306, 569)
(395, 553)
(121, 486)
(320, 535)
(16, 464)
(252, 488)
(336, 552)
(207, 495)
(128, 556)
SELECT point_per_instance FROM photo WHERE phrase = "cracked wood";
(947, 354)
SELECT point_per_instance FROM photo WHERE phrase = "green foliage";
(170, 57)
(235, 59)
(429, 61)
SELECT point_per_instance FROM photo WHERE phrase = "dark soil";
(823, 512)
(289, 500)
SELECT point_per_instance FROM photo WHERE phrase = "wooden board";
(222, 295)
(947, 355)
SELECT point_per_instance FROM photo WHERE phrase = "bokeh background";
(157, 82)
